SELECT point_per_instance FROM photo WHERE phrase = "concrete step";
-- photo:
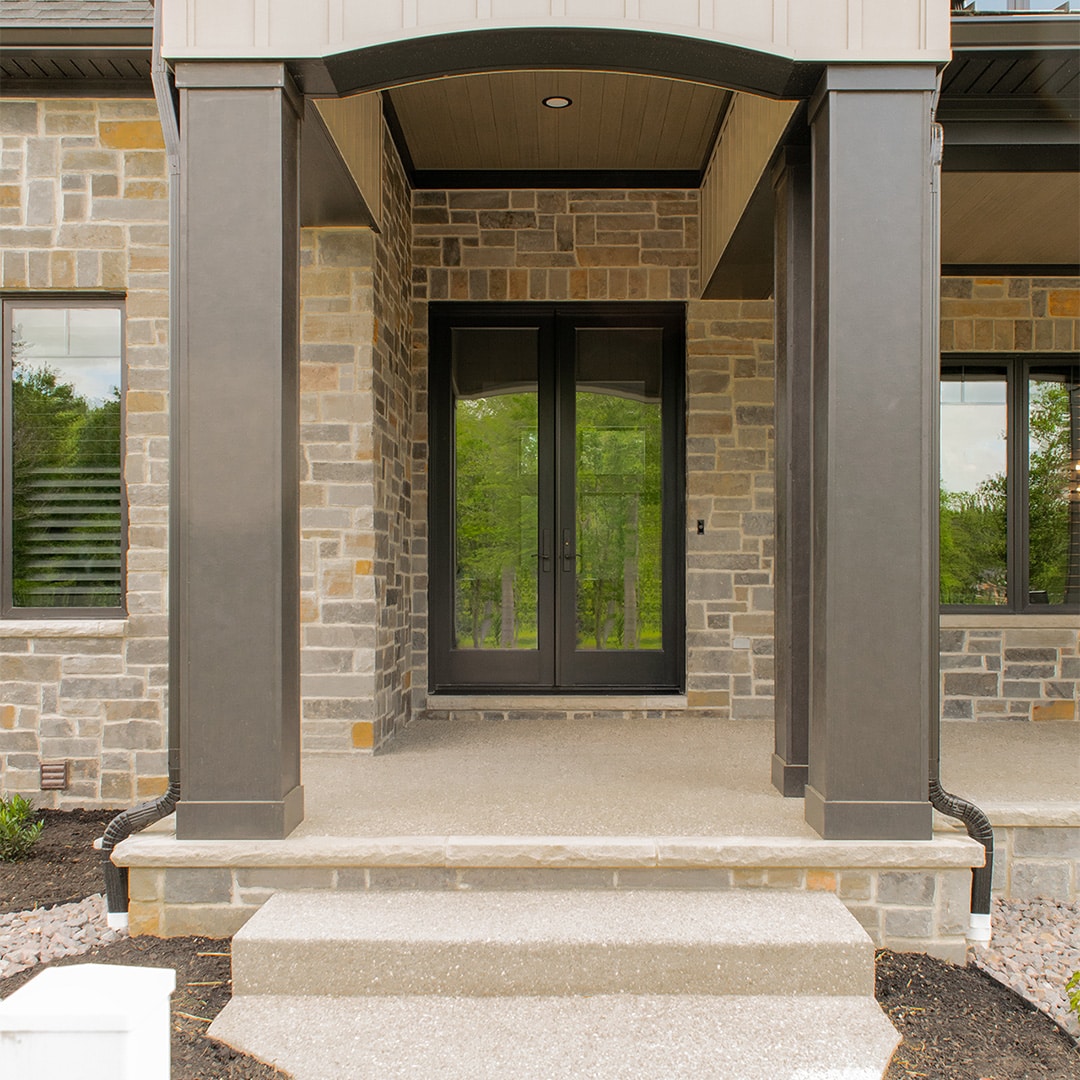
(552, 943)
(607, 1037)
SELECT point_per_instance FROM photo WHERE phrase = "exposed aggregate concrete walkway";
(1035, 948)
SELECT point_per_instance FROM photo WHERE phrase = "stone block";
(144, 919)
(854, 885)
(103, 688)
(29, 668)
(203, 920)
(1061, 709)
(393, 878)
(971, 685)
(540, 878)
(1060, 842)
(288, 878)
(956, 709)
(133, 735)
(131, 135)
(903, 887)
(700, 878)
(902, 923)
(145, 884)
(197, 885)
(869, 918)
(18, 117)
(954, 902)
(1031, 656)
(1031, 880)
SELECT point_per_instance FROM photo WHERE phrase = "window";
(64, 514)
(1010, 484)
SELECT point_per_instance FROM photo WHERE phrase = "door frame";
(480, 671)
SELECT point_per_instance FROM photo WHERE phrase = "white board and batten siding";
(865, 30)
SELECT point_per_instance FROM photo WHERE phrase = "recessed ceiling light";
(557, 102)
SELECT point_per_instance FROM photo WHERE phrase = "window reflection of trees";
(618, 522)
(975, 524)
(65, 491)
(496, 448)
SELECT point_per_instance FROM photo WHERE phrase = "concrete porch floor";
(621, 803)
(651, 777)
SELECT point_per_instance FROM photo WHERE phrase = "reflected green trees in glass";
(975, 524)
(618, 480)
(65, 493)
(495, 528)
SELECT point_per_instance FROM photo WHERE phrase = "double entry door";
(556, 497)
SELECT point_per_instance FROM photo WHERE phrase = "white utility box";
(93, 1021)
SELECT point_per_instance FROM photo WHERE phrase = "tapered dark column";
(874, 492)
(234, 619)
(793, 269)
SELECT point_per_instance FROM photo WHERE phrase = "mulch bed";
(957, 1023)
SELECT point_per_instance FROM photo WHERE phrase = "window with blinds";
(63, 499)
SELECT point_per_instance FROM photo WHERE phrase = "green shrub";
(1072, 988)
(18, 828)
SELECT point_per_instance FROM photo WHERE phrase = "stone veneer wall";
(994, 666)
(84, 208)
(999, 673)
(566, 245)
(906, 904)
(356, 492)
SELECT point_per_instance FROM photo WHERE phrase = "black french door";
(556, 497)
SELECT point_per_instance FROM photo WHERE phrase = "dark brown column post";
(234, 619)
(793, 267)
(875, 376)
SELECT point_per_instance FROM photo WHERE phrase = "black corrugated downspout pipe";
(975, 821)
(139, 817)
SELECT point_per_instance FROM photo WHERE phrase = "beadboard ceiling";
(616, 122)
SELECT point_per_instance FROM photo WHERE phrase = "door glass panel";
(617, 477)
(1053, 498)
(495, 487)
(974, 504)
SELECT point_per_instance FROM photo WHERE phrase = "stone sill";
(554, 702)
(1005, 621)
(159, 849)
(62, 628)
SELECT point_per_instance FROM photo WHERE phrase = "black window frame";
(55, 301)
(1016, 368)
(442, 317)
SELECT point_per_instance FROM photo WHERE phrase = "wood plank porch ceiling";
(616, 123)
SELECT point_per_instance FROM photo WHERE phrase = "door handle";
(567, 551)
(544, 554)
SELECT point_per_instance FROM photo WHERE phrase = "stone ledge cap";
(556, 852)
(62, 628)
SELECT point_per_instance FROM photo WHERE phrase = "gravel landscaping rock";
(1034, 950)
(41, 934)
